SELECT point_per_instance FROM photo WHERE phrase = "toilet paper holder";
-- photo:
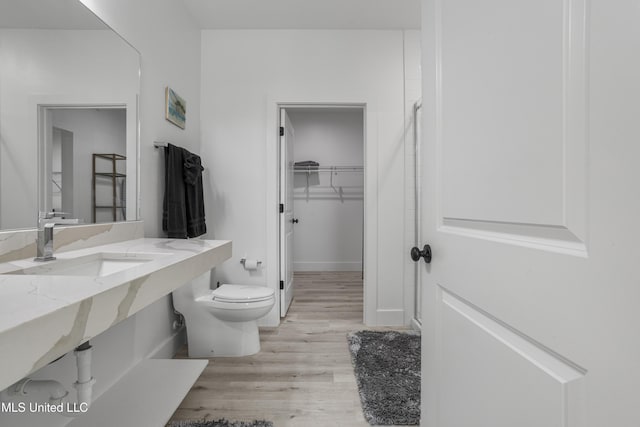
(244, 260)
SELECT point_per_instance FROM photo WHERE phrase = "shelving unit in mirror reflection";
(109, 187)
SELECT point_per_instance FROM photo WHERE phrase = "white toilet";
(222, 322)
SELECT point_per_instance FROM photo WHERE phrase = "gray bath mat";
(220, 423)
(387, 369)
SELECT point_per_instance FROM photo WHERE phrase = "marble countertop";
(44, 316)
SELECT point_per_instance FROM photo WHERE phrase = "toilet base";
(210, 336)
(222, 339)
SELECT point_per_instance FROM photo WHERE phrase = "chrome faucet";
(44, 242)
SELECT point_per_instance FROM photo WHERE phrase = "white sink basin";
(94, 265)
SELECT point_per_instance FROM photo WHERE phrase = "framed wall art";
(175, 108)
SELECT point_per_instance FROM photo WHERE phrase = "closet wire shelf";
(327, 190)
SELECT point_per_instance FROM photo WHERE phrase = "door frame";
(272, 217)
(416, 321)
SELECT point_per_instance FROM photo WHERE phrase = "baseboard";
(327, 266)
(170, 346)
(415, 325)
(389, 318)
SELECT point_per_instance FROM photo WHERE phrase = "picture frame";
(175, 108)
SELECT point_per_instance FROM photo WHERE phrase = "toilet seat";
(241, 294)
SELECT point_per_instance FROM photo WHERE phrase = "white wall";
(51, 66)
(94, 131)
(169, 44)
(329, 206)
(245, 74)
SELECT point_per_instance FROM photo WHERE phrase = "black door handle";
(294, 220)
(425, 253)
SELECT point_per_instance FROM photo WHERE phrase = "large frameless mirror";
(69, 90)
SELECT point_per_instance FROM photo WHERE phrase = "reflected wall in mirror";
(63, 75)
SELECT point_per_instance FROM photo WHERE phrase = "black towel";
(192, 167)
(174, 209)
(192, 173)
(183, 204)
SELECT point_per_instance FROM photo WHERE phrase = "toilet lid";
(242, 293)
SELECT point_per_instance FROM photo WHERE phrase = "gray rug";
(220, 423)
(387, 369)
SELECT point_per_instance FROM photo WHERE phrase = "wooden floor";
(303, 374)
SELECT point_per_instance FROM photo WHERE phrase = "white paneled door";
(286, 212)
(531, 206)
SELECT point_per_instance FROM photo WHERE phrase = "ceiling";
(48, 15)
(231, 14)
(306, 14)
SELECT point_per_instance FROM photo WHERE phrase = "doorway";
(83, 152)
(322, 192)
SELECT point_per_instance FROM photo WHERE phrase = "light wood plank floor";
(302, 375)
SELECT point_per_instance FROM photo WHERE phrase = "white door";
(531, 205)
(286, 212)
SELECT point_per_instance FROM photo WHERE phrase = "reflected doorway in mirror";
(71, 135)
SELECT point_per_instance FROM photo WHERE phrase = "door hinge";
(281, 130)
(281, 209)
(281, 284)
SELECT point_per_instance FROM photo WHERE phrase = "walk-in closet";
(328, 188)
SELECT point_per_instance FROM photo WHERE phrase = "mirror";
(68, 115)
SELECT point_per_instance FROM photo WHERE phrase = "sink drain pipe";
(26, 386)
(57, 392)
(85, 382)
